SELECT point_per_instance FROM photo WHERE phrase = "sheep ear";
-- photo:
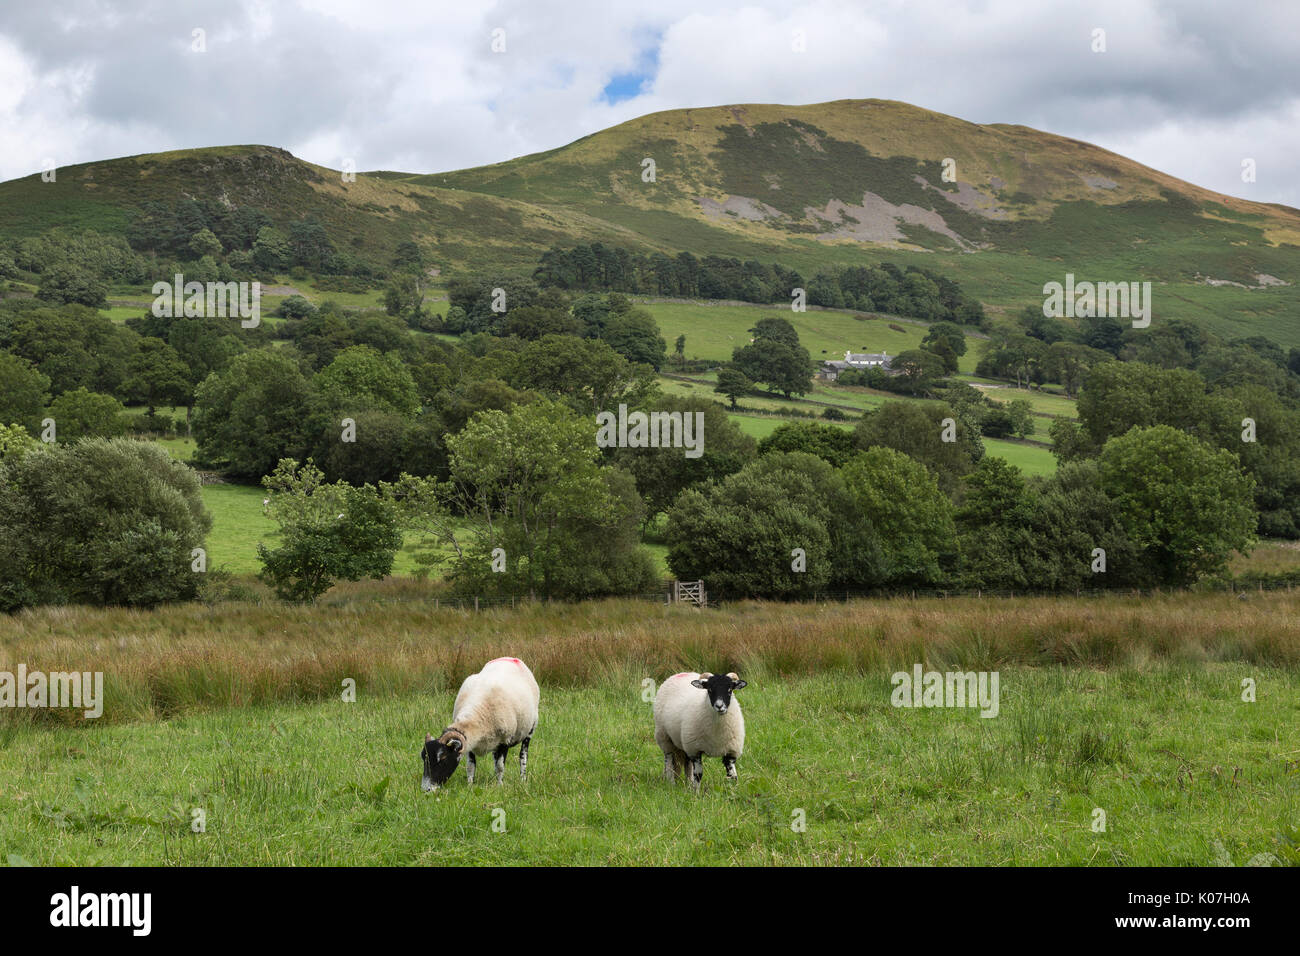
(698, 683)
(737, 684)
(428, 737)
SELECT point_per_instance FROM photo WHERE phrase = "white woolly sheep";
(696, 717)
(495, 710)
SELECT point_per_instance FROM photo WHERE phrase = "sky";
(1191, 88)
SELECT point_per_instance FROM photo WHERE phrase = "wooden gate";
(691, 592)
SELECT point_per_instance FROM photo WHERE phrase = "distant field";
(1031, 459)
(237, 526)
(714, 331)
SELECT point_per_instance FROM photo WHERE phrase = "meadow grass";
(1030, 458)
(393, 639)
(1185, 772)
(1129, 705)
(238, 525)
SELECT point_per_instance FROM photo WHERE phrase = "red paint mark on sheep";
(513, 660)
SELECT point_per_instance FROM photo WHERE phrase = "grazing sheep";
(495, 709)
(696, 717)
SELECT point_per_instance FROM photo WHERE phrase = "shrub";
(327, 533)
(101, 521)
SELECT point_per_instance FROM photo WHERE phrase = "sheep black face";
(440, 759)
(719, 688)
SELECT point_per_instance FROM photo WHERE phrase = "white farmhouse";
(830, 371)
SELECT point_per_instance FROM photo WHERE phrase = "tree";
(296, 307)
(920, 430)
(586, 373)
(205, 243)
(733, 383)
(68, 284)
(404, 296)
(679, 350)
(535, 321)
(947, 340)
(1021, 413)
(828, 442)
(271, 249)
(918, 372)
(157, 376)
(1121, 395)
(407, 255)
(741, 534)
(375, 453)
(1185, 505)
(85, 414)
(252, 414)
(530, 482)
(23, 393)
(778, 366)
(664, 473)
(328, 532)
(1069, 363)
(106, 522)
(994, 523)
(911, 519)
(634, 334)
(360, 377)
(310, 243)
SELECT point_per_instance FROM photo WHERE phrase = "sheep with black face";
(494, 710)
(696, 717)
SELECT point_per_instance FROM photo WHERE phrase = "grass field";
(1132, 707)
(713, 331)
(238, 525)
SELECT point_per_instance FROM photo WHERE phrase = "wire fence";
(716, 599)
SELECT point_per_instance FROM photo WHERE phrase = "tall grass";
(391, 639)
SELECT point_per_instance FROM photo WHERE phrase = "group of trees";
(913, 291)
(893, 505)
(245, 238)
(1035, 349)
(1251, 422)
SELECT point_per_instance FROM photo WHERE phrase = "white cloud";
(1190, 89)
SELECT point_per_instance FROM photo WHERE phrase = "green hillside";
(812, 187)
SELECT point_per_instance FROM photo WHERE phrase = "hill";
(813, 187)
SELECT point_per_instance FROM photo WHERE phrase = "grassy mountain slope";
(848, 182)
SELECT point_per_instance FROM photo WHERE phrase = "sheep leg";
(469, 769)
(523, 758)
(697, 770)
(671, 767)
(499, 762)
(729, 761)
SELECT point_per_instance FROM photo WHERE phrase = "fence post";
(476, 602)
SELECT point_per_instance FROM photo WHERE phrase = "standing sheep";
(495, 709)
(696, 717)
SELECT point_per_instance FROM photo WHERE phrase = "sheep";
(494, 710)
(690, 725)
